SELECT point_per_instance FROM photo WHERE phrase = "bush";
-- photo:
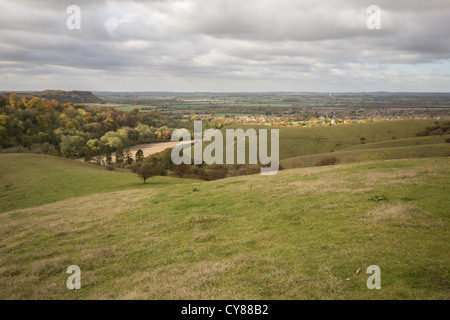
(135, 167)
(7, 186)
(328, 161)
(45, 148)
(377, 198)
(18, 149)
(146, 171)
(202, 174)
(181, 170)
(216, 172)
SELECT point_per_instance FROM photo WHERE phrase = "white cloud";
(225, 45)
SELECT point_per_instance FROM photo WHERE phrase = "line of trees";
(160, 164)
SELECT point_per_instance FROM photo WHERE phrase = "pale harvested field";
(148, 149)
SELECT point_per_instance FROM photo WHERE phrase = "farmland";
(285, 105)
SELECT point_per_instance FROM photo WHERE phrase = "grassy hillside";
(41, 179)
(417, 141)
(296, 142)
(364, 153)
(297, 235)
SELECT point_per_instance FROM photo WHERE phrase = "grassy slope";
(40, 179)
(298, 234)
(417, 141)
(296, 142)
(357, 153)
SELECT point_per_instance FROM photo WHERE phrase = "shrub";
(327, 161)
(146, 171)
(181, 170)
(17, 149)
(45, 148)
(7, 186)
(135, 167)
(202, 174)
(377, 198)
(216, 172)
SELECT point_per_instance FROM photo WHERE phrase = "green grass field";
(357, 153)
(296, 142)
(378, 140)
(39, 179)
(297, 235)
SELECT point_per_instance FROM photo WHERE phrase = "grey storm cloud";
(225, 45)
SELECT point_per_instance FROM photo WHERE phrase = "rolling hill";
(301, 234)
(378, 140)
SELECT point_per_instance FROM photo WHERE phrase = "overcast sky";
(225, 45)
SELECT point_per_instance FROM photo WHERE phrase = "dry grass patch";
(110, 202)
(399, 213)
(405, 176)
(320, 186)
(202, 280)
(86, 213)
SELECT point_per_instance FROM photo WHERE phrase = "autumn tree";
(181, 170)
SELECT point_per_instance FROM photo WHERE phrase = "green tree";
(108, 158)
(4, 139)
(146, 171)
(119, 156)
(128, 157)
(113, 140)
(72, 146)
(139, 155)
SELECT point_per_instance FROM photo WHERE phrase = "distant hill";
(62, 96)
(70, 96)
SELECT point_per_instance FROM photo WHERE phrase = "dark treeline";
(74, 130)
(160, 164)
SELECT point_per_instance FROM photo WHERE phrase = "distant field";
(118, 106)
(301, 234)
(282, 100)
